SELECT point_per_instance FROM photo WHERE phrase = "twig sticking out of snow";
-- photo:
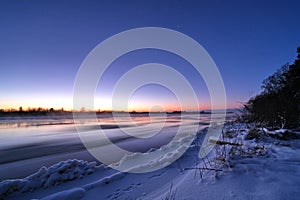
(171, 194)
(220, 142)
(203, 168)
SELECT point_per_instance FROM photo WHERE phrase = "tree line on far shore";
(51, 111)
(31, 111)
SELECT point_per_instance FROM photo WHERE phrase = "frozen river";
(26, 144)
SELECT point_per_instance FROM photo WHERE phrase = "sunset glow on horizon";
(105, 105)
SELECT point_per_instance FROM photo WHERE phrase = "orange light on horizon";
(101, 104)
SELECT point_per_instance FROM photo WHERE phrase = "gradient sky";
(43, 43)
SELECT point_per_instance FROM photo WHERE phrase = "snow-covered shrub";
(255, 133)
(285, 135)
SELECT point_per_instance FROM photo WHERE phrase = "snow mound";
(154, 160)
(260, 134)
(46, 177)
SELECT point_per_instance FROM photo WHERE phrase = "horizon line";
(52, 110)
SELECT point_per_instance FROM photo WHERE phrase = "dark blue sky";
(42, 43)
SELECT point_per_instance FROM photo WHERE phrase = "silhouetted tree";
(279, 103)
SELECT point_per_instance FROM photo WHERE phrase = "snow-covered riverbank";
(246, 163)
